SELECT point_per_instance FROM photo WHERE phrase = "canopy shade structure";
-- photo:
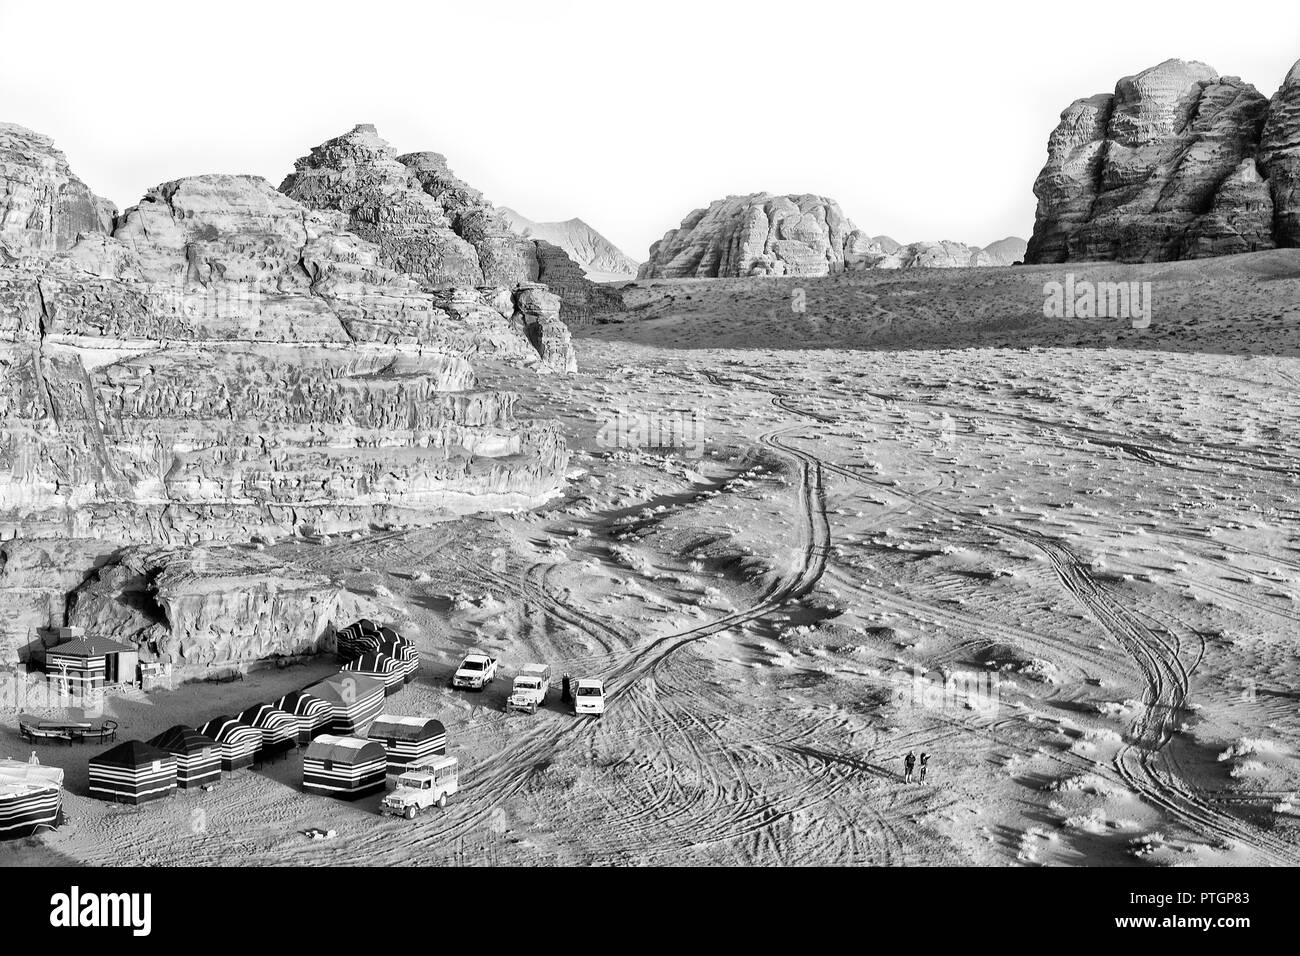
(345, 767)
(198, 757)
(406, 656)
(355, 699)
(31, 796)
(278, 730)
(132, 772)
(312, 714)
(381, 668)
(408, 740)
(239, 742)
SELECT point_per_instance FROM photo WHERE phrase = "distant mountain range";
(599, 258)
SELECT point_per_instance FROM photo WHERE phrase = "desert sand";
(1061, 557)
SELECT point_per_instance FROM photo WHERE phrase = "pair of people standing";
(909, 766)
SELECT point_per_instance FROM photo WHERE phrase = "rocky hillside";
(429, 224)
(799, 235)
(599, 258)
(224, 362)
(1177, 163)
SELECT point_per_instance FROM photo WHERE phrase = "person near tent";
(909, 762)
(925, 762)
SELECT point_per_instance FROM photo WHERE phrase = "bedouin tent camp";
(408, 740)
(407, 657)
(198, 758)
(132, 772)
(381, 668)
(278, 730)
(312, 714)
(356, 700)
(239, 742)
(31, 796)
(346, 767)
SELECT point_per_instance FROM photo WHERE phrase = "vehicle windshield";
(528, 684)
(589, 691)
(472, 666)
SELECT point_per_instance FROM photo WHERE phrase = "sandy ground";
(1071, 575)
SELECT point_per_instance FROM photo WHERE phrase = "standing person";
(908, 763)
(33, 758)
(925, 762)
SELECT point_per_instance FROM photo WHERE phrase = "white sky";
(926, 120)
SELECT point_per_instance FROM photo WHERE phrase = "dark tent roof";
(183, 740)
(131, 753)
(345, 689)
(90, 647)
(390, 726)
(345, 750)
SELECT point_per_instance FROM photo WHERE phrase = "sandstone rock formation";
(231, 363)
(429, 224)
(1005, 252)
(765, 235)
(43, 206)
(756, 235)
(1177, 163)
(599, 258)
(1279, 150)
(207, 613)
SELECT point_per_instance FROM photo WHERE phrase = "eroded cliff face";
(1177, 163)
(43, 206)
(208, 613)
(230, 363)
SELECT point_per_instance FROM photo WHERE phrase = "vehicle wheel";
(410, 813)
(442, 802)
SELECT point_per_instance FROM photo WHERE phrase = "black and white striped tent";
(346, 767)
(408, 740)
(198, 758)
(407, 657)
(355, 700)
(381, 668)
(31, 796)
(239, 742)
(132, 772)
(389, 635)
(359, 637)
(312, 714)
(278, 730)
(82, 663)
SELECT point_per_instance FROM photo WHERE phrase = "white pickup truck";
(476, 671)
(530, 688)
(422, 787)
(589, 697)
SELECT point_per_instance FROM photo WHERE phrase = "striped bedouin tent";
(132, 772)
(346, 767)
(312, 714)
(379, 666)
(198, 757)
(31, 796)
(355, 700)
(408, 740)
(407, 657)
(389, 635)
(239, 742)
(279, 730)
(82, 663)
(359, 637)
